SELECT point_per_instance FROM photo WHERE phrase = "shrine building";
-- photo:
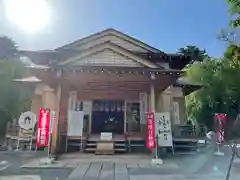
(115, 80)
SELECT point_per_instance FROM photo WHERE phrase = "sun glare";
(29, 15)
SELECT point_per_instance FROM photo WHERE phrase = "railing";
(190, 131)
(12, 129)
(133, 126)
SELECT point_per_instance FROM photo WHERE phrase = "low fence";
(190, 131)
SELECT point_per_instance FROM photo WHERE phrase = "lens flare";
(28, 15)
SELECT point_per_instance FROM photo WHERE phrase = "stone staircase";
(119, 144)
(91, 146)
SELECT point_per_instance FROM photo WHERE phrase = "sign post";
(163, 130)
(27, 121)
(75, 125)
(52, 122)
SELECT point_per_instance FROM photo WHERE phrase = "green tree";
(8, 49)
(201, 104)
(231, 51)
(220, 92)
(234, 9)
(194, 52)
(13, 98)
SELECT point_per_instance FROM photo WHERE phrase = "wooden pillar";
(55, 134)
(49, 98)
(152, 98)
(125, 117)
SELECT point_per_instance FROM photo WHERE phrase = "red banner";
(220, 122)
(151, 139)
(43, 127)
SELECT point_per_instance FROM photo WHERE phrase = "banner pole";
(49, 133)
(156, 147)
(32, 134)
(18, 143)
(30, 146)
(49, 139)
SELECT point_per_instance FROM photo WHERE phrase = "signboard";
(75, 123)
(220, 119)
(143, 107)
(176, 112)
(43, 127)
(106, 136)
(163, 129)
(52, 121)
(72, 101)
(87, 107)
(151, 139)
(27, 120)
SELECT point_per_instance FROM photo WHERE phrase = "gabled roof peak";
(110, 31)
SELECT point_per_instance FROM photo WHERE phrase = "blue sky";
(165, 24)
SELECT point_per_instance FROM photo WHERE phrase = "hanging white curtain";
(75, 123)
(176, 112)
(75, 116)
(143, 99)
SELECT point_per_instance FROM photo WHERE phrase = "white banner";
(72, 100)
(143, 107)
(176, 112)
(52, 119)
(75, 123)
(163, 129)
(87, 107)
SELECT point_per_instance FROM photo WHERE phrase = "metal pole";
(31, 140)
(30, 146)
(230, 164)
(81, 145)
(156, 146)
(18, 144)
(173, 150)
(49, 133)
(49, 142)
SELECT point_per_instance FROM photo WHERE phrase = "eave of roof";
(33, 79)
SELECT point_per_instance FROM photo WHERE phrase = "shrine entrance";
(108, 116)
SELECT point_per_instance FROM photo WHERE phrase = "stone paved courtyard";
(136, 171)
(118, 171)
(127, 167)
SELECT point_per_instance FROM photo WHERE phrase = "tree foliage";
(220, 77)
(14, 98)
(234, 9)
(221, 89)
(8, 49)
(194, 52)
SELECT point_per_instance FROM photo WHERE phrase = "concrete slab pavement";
(127, 167)
(21, 177)
(118, 170)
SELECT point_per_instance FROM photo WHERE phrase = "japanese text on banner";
(151, 140)
(43, 127)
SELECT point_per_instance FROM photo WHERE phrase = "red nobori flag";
(220, 123)
(43, 127)
(151, 139)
